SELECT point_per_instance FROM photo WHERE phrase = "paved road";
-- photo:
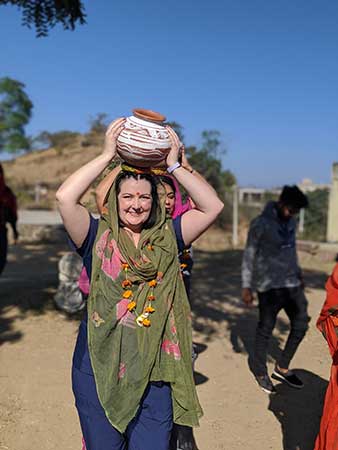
(39, 217)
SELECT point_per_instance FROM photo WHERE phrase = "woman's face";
(134, 203)
(169, 198)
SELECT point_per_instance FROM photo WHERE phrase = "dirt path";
(36, 402)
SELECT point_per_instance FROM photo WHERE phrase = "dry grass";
(49, 168)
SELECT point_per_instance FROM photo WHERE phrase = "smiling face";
(134, 203)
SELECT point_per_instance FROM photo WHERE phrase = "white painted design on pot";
(143, 143)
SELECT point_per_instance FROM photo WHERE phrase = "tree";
(211, 143)
(45, 14)
(58, 140)
(207, 161)
(15, 112)
(98, 124)
(207, 158)
(315, 222)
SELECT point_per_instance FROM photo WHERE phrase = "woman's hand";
(113, 130)
(75, 217)
(173, 155)
(185, 162)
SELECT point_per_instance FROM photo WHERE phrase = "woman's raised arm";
(103, 189)
(207, 203)
(75, 217)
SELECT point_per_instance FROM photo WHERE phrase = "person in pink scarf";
(178, 207)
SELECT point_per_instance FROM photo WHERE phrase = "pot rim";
(148, 114)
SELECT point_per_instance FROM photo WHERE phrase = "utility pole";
(37, 192)
(301, 221)
(235, 216)
(332, 219)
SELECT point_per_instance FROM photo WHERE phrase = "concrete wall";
(332, 222)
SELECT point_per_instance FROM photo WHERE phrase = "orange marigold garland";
(128, 293)
(186, 254)
(131, 305)
(159, 277)
(126, 283)
(143, 319)
(151, 170)
(146, 322)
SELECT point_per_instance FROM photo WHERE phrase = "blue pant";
(149, 430)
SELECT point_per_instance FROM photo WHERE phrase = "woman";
(8, 214)
(327, 323)
(135, 373)
(182, 436)
(173, 205)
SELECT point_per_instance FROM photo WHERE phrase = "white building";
(256, 196)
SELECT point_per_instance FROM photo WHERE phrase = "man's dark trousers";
(294, 303)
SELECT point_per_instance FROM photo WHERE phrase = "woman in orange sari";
(327, 323)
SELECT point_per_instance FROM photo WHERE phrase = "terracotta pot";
(144, 140)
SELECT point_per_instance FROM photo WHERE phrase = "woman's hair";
(166, 180)
(180, 207)
(125, 175)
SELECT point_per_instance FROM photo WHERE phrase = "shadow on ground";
(299, 411)
(27, 285)
(199, 378)
(217, 306)
(30, 280)
(220, 313)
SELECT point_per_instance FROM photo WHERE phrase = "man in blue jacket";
(270, 266)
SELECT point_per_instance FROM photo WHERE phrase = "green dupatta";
(125, 356)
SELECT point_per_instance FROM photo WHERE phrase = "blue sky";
(263, 73)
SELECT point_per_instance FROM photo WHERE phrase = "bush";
(315, 219)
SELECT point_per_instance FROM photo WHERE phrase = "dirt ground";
(36, 402)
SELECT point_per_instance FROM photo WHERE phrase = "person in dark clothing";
(8, 214)
(270, 265)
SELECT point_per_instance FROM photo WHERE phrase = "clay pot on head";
(144, 140)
